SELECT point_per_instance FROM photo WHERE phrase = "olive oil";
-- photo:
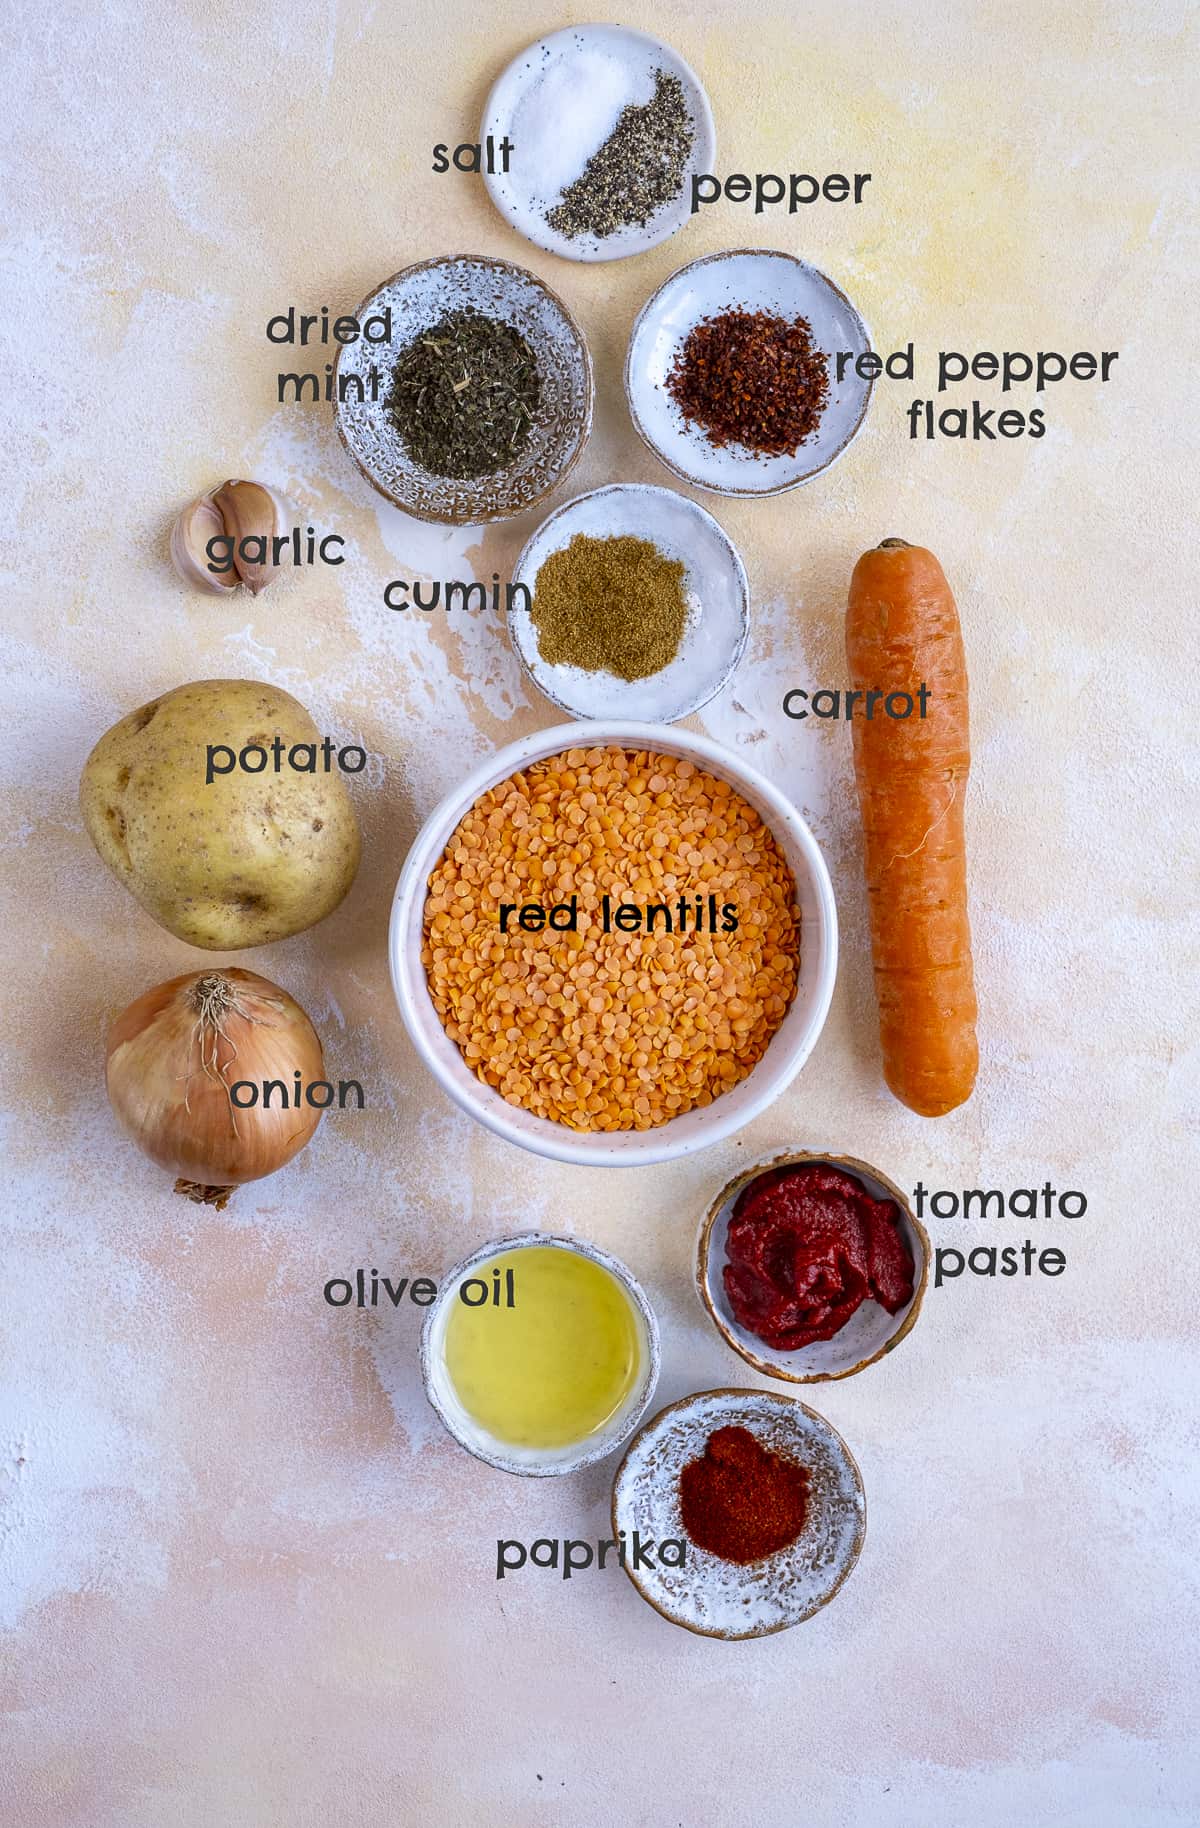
(555, 1367)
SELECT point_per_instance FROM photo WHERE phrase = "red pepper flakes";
(751, 378)
(741, 1501)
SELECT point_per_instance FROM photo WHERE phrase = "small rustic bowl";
(526, 192)
(714, 636)
(418, 297)
(725, 1599)
(761, 279)
(477, 1440)
(869, 1335)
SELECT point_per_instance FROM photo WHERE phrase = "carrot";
(901, 632)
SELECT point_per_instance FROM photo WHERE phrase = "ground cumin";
(610, 606)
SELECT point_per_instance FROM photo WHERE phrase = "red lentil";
(617, 1030)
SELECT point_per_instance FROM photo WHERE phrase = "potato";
(240, 860)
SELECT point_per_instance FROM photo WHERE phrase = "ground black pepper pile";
(751, 378)
(639, 167)
(464, 394)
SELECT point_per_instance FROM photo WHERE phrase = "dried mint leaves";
(465, 395)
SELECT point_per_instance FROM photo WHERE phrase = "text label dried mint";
(464, 395)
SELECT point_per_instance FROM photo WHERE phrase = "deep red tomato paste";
(806, 1247)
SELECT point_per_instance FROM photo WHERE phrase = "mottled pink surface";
(245, 1580)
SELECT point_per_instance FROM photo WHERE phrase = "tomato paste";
(807, 1246)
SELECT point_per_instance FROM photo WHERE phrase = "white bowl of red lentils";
(614, 943)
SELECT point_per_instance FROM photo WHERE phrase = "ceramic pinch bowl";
(752, 280)
(557, 103)
(417, 298)
(870, 1333)
(726, 1599)
(718, 595)
(469, 1433)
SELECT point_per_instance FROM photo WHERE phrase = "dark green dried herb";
(464, 395)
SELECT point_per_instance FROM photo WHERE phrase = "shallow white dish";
(758, 280)
(725, 1599)
(868, 1335)
(538, 1463)
(536, 85)
(715, 582)
(418, 297)
(789, 1047)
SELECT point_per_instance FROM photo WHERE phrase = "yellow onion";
(174, 1056)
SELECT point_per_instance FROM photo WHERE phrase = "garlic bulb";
(247, 517)
(199, 523)
(180, 1062)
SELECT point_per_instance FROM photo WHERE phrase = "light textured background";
(245, 1580)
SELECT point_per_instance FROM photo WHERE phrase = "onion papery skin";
(178, 1113)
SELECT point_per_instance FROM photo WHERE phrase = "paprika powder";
(739, 1500)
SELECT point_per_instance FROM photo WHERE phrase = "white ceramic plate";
(718, 604)
(418, 297)
(757, 280)
(870, 1333)
(558, 102)
(439, 1387)
(789, 1047)
(726, 1599)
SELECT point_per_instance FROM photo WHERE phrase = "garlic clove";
(250, 510)
(197, 524)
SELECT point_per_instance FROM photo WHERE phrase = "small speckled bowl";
(540, 1463)
(420, 295)
(726, 1599)
(868, 1336)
